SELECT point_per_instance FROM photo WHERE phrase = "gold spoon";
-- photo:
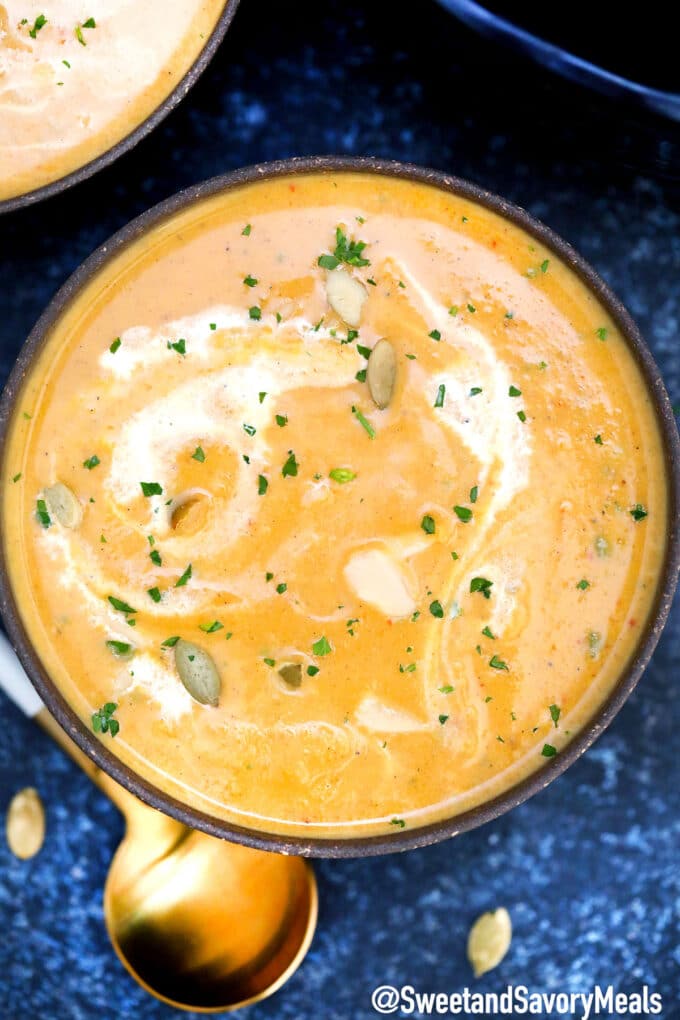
(200, 923)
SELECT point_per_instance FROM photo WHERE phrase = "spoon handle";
(20, 690)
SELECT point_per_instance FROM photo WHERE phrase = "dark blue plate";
(562, 61)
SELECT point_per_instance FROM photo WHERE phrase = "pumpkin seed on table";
(489, 940)
(198, 673)
(381, 373)
(291, 674)
(346, 296)
(25, 825)
(64, 505)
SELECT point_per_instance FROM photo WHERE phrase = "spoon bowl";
(200, 923)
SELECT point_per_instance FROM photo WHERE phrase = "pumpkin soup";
(335, 504)
(75, 80)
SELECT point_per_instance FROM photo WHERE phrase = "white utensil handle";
(15, 683)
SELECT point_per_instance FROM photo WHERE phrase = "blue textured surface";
(589, 868)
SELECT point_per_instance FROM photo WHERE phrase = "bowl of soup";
(339, 506)
(80, 86)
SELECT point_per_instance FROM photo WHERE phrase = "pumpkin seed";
(489, 940)
(25, 823)
(291, 674)
(381, 373)
(190, 514)
(198, 673)
(64, 505)
(346, 296)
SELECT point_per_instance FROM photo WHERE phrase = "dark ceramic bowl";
(402, 839)
(563, 61)
(142, 130)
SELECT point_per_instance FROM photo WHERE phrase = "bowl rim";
(562, 60)
(130, 140)
(403, 838)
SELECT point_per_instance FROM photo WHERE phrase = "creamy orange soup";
(75, 79)
(284, 604)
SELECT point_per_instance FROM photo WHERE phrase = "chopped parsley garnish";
(281, 588)
(555, 712)
(522, 416)
(441, 393)
(474, 491)
(463, 513)
(210, 628)
(198, 454)
(42, 514)
(39, 23)
(453, 310)
(170, 642)
(342, 475)
(120, 606)
(514, 392)
(481, 584)
(428, 525)
(120, 648)
(446, 689)
(638, 512)
(250, 281)
(549, 751)
(91, 462)
(255, 312)
(103, 721)
(497, 663)
(270, 662)
(544, 265)
(350, 252)
(250, 429)
(261, 396)
(115, 345)
(281, 420)
(365, 424)
(186, 576)
(151, 489)
(601, 333)
(16, 477)
(312, 670)
(262, 485)
(155, 557)
(434, 334)
(411, 668)
(90, 23)
(598, 439)
(361, 375)
(365, 352)
(471, 308)
(269, 576)
(290, 468)
(442, 719)
(583, 584)
(475, 390)
(154, 594)
(436, 609)
(487, 632)
(246, 230)
(321, 647)
(180, 346)
(213, 326)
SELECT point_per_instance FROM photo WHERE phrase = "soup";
(72, 85)
(335, 503)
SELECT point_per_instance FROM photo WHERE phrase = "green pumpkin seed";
(489, 940)
(291, 674)
(198, 673)
(25, 824)
(64, 505)
(381, 373)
